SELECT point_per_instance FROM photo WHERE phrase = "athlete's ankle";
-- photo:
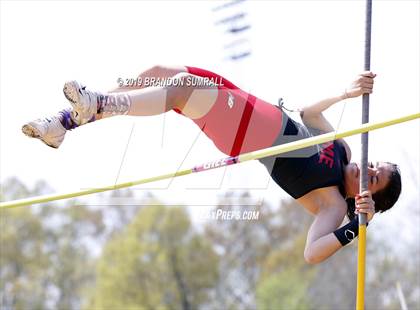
(111, 104)
(66, 119)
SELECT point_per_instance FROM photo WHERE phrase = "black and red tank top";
(302, 171)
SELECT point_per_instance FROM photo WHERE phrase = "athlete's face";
(378, 177)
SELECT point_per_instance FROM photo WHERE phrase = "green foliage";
(22, 260)
(157, 262)
(283, 290)
(256, 253)
(285, 277)
(44, 260)
(72, 256)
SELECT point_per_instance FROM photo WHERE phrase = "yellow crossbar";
(275, 150)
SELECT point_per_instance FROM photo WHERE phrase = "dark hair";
(386, 197)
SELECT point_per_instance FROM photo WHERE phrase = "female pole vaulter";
(321, 177)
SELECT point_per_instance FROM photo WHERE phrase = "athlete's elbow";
(313, 258)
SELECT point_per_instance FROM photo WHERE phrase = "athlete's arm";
(312, 117)
(321, 242)
(323, 236)
(312, 114)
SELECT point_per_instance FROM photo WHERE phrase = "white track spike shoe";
(49, 130)
(84, 102)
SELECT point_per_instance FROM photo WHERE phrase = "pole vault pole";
(361, 256)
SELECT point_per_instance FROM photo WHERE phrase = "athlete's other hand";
(365, 204)
(363, 84)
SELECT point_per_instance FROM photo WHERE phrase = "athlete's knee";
(179, 91)
(156, 70)
(164, 71)
(195, 94)
(183, 76)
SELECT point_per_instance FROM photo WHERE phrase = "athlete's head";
(384, 181)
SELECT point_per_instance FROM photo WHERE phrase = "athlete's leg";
(181, 94)
(194, 101)
(88, 106)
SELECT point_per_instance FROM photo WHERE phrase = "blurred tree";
(22, 260)
(156, 259)
(284, 290)
(255, 253)
(121, 207)
(285, 278)
(334, 286)
(45, 255)
(385, 268)
(157, 262)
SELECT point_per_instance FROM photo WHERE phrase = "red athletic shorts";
(238, 122)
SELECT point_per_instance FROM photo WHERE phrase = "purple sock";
(66, 120)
